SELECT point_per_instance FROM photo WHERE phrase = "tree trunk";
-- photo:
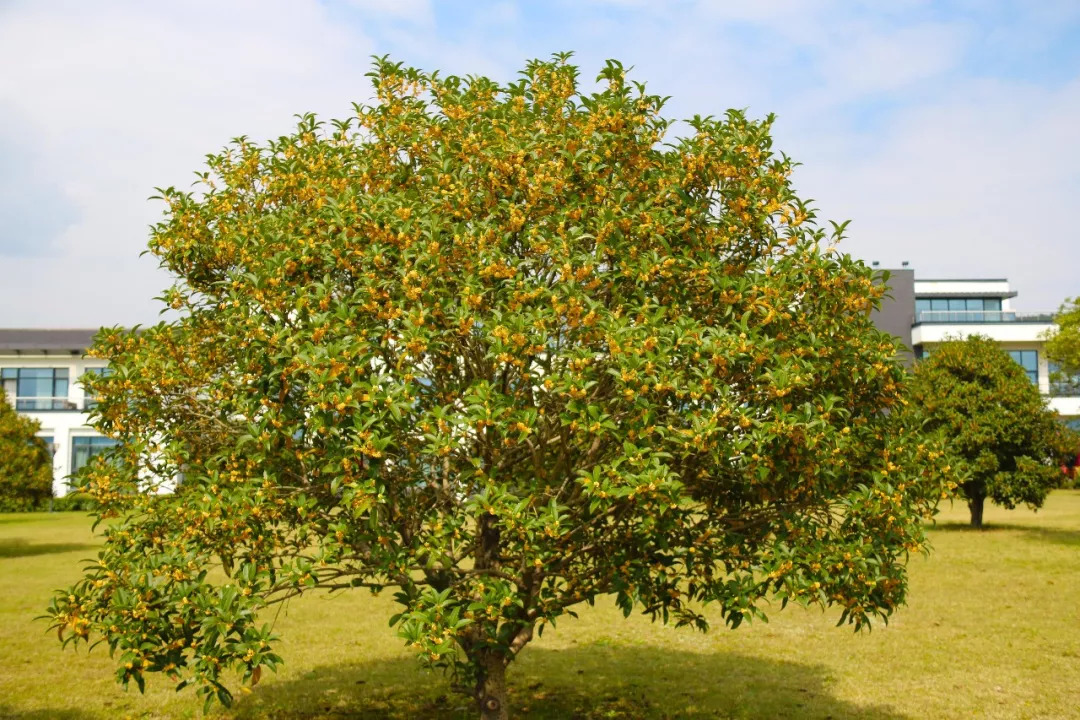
(490, 663)
(491, 687)
(975, 504)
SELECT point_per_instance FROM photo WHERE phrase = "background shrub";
(25, 463)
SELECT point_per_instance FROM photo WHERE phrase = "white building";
(40, 371)
(926, 313)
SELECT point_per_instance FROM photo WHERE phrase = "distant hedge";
(73, 502)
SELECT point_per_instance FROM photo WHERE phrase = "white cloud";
(416, 11)
(981, 183)
(865, 61)
(125, 97)
(34, 209)
(959, 174)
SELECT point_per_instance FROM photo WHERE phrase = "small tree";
(25, 463)
(994, 420)
(498, 348)
(1063, 343)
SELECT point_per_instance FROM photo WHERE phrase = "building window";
(1061, 384)
(84, 448)
(9, 379)
(958, 310)
(1029, 360)
(37, 388)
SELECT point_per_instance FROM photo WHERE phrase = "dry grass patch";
(992, 630)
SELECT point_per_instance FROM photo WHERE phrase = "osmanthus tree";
(498, 348)
(25, 463)
(996, 424)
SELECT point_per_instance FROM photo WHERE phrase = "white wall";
(1003, 332)
(60, 425)
(973, 287)
(1066, 406)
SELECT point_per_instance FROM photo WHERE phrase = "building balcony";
(39, 404)
(1004, 326)
(966, 317)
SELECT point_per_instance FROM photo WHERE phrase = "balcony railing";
(45, 403)
(982, 316)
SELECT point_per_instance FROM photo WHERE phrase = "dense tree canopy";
(995, 422)
(25, 463)
(500, 349)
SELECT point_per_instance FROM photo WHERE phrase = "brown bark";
(975, 505)
(491, 687)
(490, 691)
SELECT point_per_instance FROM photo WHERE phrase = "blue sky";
(946, 131)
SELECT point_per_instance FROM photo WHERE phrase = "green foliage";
(1065, 445)
(25, 463)
(501, 350)
(996, 424)
(1063, 345)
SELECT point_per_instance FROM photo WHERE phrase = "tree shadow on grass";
(586, 683)
(1056, 535)
(18, 547)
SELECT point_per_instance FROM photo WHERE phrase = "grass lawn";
(992, 630)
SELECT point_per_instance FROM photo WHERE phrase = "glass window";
(84, 448)
(36, 383)
(958, 309)
(974, 308)
(1029, 360)
(38, 388)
